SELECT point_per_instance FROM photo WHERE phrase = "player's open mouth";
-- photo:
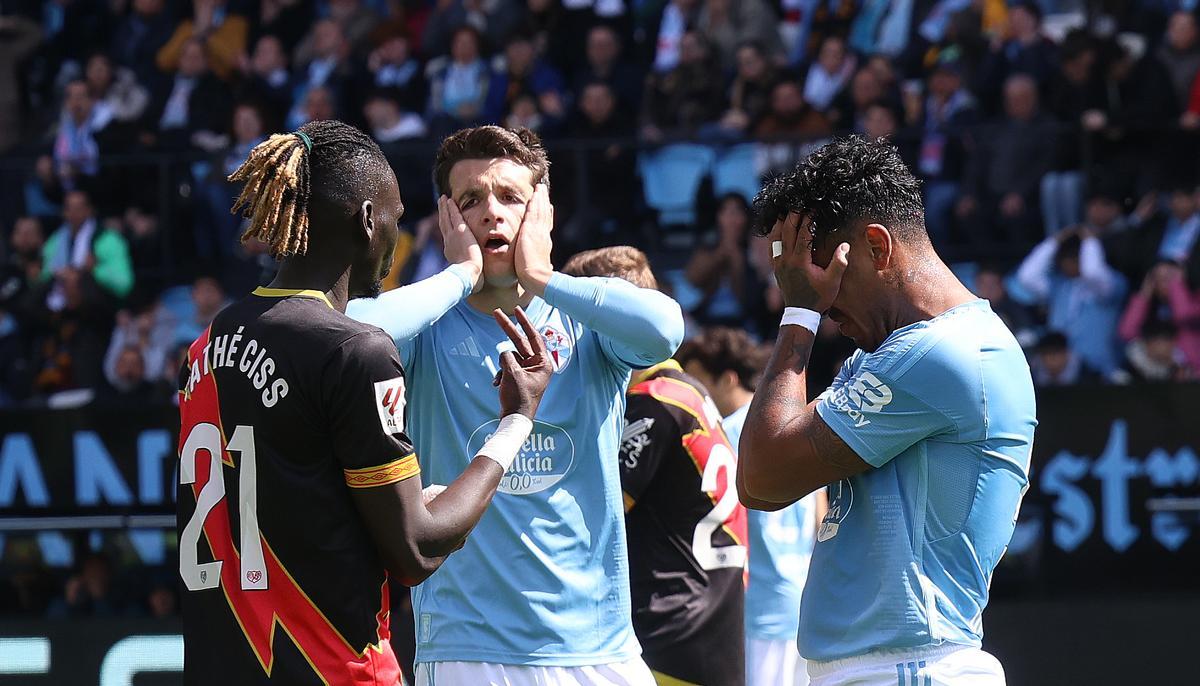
(495, 246)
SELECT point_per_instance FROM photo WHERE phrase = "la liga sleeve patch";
(389, 403)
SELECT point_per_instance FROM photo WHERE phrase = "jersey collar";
(263, 291)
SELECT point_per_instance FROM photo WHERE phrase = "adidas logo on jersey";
(466, 348)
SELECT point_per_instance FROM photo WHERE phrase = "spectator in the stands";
(829, 74)
(221, 33)
(27, 585)
(388, 121)
(730, 288)
(790, 115)
(76, 150)
(1152, 235)
(149, 332)
(1021, 48)
(605, 62)
(1054, 363)
(353, 19)
(289, 20)
(392, 66)
(319, 103)
(19, 39)
(267, 78)
(605, 216)
(1128, 121)
(216, 229)
(1155, 355)
(208, 299)
(493, 21)
(19, 275)
(729, 24)
(129, 386)
(942, 117)
(191, 102)
(989, 285)
(118, 95)
(750, 93)
(458, 84)
(161, 601)
(879, 120)
(89, 592)
(140, 35)
(676, 18)
(1165, 297)
(1180, 53)
(22, 266)
(1006, 167)
(525, 76)
(82, 246)
(848, 108)
(692, 94)
(1072, 89)
(327, 65)
(1069, 275)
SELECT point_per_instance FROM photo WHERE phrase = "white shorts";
(948, 665)
(633, 672)
(774, 663)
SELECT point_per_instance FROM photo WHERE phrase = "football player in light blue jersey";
(541, 594)
(730, 364)
(923, 439)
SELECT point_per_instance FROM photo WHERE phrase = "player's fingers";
(837, 266)
(788, 233)
(443, 217)
(521, 343)
(455, 215)
(509, 366)
(537, 343)
(498, 378)
(800, 238)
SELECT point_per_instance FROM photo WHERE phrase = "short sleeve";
(880, 412)
(365, 402)
(650, 434)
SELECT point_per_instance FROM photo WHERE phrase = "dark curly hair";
(842, 183)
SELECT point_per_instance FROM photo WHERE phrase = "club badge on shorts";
(559, 345)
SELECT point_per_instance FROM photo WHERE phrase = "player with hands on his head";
(923, 441)
(540, 592)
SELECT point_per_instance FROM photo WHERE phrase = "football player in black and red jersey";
(686, 528)
(299, 491)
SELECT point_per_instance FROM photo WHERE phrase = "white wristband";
(798, 316)
(503, 446)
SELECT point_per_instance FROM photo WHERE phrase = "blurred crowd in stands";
(1056, 141)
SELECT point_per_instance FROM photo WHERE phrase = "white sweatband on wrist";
(503, 446)
(798, 316)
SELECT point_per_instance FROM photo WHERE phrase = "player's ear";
(729, 378)
(880, 243)
(366, 219)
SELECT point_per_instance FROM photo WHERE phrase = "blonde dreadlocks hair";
(324, 160)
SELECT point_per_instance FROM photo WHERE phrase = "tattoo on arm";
(828, 447)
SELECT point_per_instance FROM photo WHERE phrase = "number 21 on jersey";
(206, 437)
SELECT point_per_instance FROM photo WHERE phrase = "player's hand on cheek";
(459, 243)
(532, 256)
(803, 283)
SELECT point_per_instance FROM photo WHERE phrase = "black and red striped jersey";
(686, 529)
(286, 405)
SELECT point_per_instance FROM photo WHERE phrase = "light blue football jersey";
(543, 579)
(944, 412)
(781, 545)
